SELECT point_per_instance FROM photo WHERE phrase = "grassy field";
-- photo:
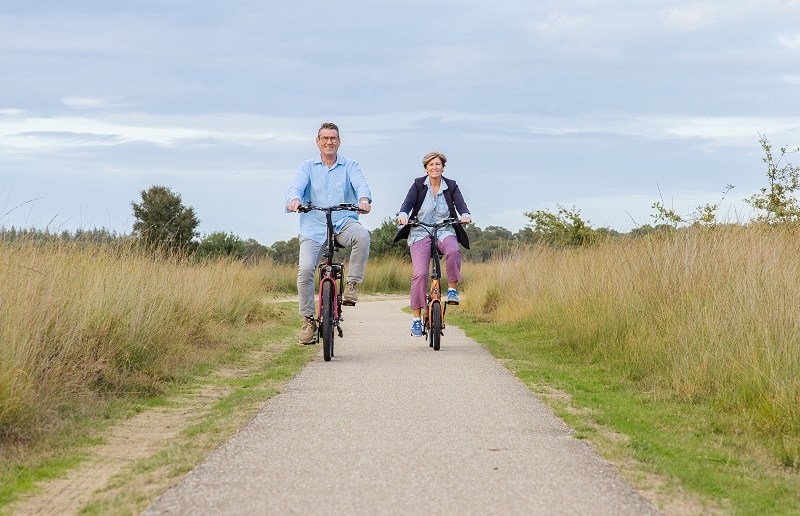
(81, 323)
(93, 335)
(686, 345)
(676, 355)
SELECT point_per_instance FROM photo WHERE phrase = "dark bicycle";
(331, 282)
(433, 315)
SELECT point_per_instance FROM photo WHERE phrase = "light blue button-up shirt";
(342, 183)
(432, 211)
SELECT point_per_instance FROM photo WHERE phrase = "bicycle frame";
(333, 273)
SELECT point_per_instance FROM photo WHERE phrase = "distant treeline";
(484, 242)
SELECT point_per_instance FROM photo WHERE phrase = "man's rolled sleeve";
(298, 187)
(359, 183)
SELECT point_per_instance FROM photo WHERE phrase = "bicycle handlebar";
(305, 208)
(450, 221)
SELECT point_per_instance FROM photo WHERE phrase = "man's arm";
(296, 191)
(359, 183)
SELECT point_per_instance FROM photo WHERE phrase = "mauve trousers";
(421, 260)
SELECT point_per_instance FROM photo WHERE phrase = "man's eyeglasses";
(324, 139)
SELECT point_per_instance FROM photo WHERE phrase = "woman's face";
(434, 168)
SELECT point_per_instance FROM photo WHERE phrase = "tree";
(486, 243)
(254, 250)
(565, 227)
(163, 221)
(778, 200)
(380, 240)
(703, 216)
(286, 251)
(221, 245)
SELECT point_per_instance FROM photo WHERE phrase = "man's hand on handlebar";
(293, 205)
(363, 205)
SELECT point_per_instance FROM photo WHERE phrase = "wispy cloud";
(692, 17)
(87, 103)
(790, 40)
(48, 134)
(43, 134)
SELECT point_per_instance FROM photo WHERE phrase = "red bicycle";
(331, 282)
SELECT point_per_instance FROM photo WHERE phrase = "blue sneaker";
(416, 328)
(452, 296)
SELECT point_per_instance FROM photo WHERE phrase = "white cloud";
(86, 103)
(791, 41)
(49, 134)
(692, 17)
(559, 23)
(732, 130)
(41, 134)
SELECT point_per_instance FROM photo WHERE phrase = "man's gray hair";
(328, 125)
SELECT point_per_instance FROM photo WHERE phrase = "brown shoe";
(350, 297)
(308, 333)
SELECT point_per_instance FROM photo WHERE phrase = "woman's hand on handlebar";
(465, 219)
(402, 220)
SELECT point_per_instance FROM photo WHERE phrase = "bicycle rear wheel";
(327, 320)
(436, 325)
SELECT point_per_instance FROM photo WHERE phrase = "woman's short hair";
(431, 155)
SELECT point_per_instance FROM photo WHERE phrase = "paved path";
(390, 426)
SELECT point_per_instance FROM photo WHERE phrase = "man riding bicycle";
(328, 180)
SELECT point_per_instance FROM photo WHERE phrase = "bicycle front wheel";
(327, 320)
(436, 325)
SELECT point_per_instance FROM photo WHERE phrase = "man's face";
(328, 142)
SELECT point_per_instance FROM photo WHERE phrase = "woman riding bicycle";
(431, 199)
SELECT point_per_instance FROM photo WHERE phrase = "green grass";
(689, 446)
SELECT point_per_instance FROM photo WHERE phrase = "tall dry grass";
(76, 321)
(697, 314)
(388, 275)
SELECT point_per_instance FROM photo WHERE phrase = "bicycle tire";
(327, 320)
(436, 325)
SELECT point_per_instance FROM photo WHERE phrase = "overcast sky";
(602, 105)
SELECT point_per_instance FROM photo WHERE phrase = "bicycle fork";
(330, 274)
(435, 294)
